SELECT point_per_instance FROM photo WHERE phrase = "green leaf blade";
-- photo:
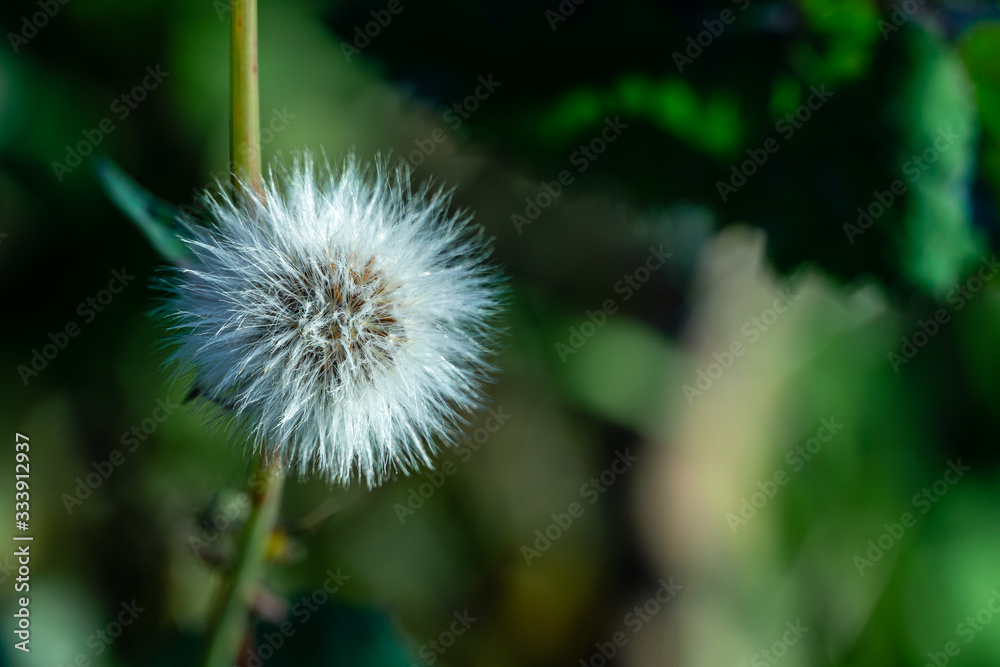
(156, 218)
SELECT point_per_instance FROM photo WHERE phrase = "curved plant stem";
(229, 622)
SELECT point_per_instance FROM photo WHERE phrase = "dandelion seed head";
(342, 318)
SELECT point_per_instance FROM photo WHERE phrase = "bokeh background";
(762, 517)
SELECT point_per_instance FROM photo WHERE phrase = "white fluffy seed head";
(343, 319)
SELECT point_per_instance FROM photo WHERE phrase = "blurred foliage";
(891, 89)
(422, 549)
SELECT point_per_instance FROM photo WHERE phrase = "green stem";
(244, 100)
(230, 620)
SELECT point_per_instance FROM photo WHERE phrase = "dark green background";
(656, 184)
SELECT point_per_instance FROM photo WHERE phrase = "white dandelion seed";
(342, 319)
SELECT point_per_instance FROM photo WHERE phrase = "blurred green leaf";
(939, 236)
(156, 218)
(980, 51)
(710, 122)
(848, 29)
(622, 372)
